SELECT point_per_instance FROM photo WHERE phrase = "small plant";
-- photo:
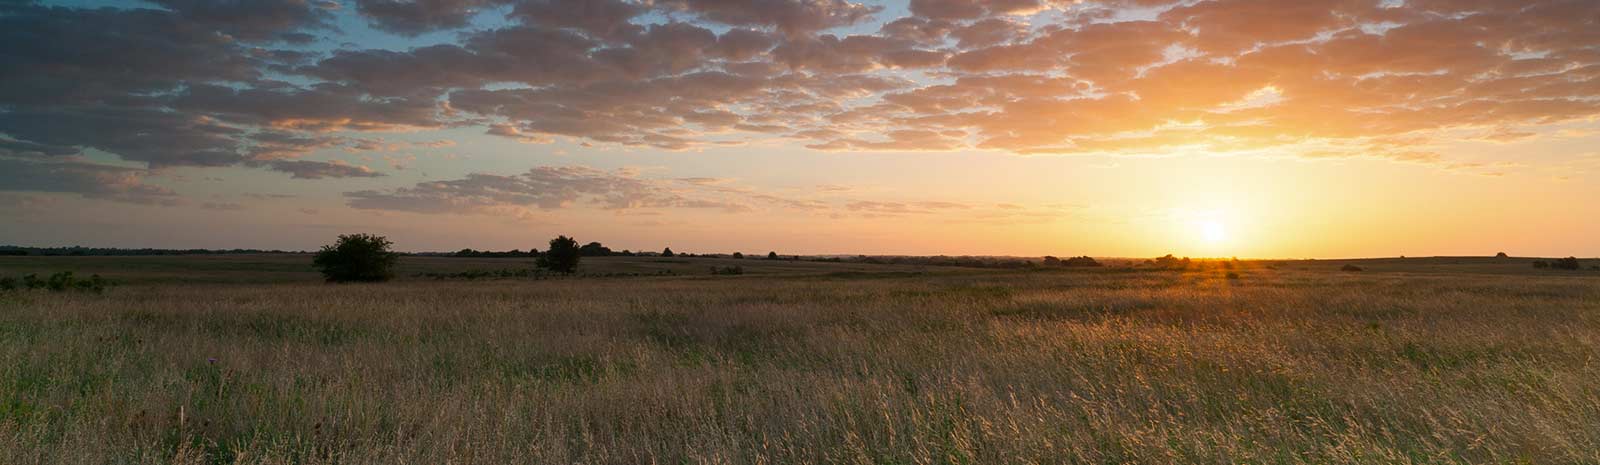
(727, 270)
(1232, 275)
(1541, 264)
(1351, 268)
(1501, 255)
(357, 258)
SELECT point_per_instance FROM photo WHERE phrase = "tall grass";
(1080, 367)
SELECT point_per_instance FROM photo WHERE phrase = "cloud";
(222, 206)
(90, 180)
(546, 187)
(16, 148)
(607, 19)
(308, 169)
(159, 138)
(625, 191)
(788, 16)
(413, 17)
(971, 9)
(210, 84)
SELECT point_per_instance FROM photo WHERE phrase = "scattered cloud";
(624, 190)
(308, 169)
(193, 83)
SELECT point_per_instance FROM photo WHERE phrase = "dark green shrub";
(563, 255)
(1232, 275)
(1351, 268)
(729, 270)
(1541, 264)
(58, 282)
(357, 258)
(1569, 263)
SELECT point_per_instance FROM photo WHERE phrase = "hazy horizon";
(1127, 128)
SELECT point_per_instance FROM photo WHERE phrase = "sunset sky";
(1314, 128)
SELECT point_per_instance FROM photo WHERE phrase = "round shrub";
(563, 255)
(357, 258)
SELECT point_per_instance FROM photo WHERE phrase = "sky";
(1125, 128)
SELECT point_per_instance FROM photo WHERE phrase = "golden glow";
(1212, 231)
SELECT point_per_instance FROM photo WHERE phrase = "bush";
(563, 255)
(1170, 262)
(1501, 255)
(738, 255)
(1351, 268)
(667, 252)
(1232, 275)
(1569, 263)
(729, 270)
(1080, 261)
(357, 258)
(59, 282)
(1541, 264)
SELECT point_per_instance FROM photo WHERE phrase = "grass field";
(251, 359)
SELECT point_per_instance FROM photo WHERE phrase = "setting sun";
(1213, 231)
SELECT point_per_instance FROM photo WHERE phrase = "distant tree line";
(513, 253)
(78, 251)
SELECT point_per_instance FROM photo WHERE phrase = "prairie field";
(252, 359)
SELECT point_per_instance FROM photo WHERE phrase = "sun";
(1213, 231)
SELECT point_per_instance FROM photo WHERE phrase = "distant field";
(286, 268)
(251, 359)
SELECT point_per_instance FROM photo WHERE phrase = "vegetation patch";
(63, 281)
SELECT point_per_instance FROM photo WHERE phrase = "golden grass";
(1066, 367)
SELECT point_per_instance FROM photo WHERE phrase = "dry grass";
(1072, 367)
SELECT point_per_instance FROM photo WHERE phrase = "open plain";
(252, 359)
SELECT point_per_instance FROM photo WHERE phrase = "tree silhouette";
(667, 252)
(356, 258)
(1080, 261)
(594, 249)
(772, 255)
(562, 257)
